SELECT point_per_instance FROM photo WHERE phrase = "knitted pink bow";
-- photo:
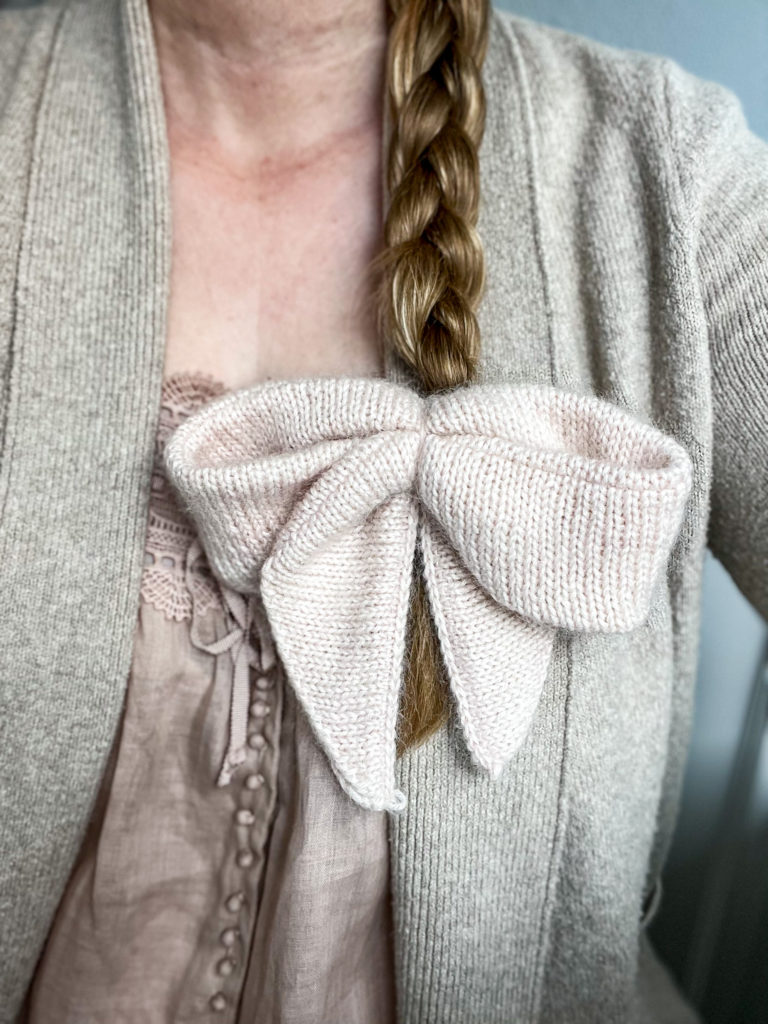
(535, 509)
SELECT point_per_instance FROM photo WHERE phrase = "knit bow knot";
(535, 509)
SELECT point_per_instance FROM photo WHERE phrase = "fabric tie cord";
(535, 509)
(244, 657)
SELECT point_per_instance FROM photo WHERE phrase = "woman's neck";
(249, 81)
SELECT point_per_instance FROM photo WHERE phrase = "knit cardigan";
(625, 225)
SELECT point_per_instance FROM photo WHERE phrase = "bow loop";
(536, 509)
(254, 455)
(562, 506)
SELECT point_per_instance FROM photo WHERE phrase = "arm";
(724, 170)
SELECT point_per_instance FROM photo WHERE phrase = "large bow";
(535, 509)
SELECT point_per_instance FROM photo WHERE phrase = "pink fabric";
(535, 509)
(265, 899)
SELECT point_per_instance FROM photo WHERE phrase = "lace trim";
(169, 537)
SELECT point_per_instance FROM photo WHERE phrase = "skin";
(274, 121)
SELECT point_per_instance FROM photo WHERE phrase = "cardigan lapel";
(475, 862)
(83, 396)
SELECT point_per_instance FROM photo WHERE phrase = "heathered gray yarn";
(625, 220)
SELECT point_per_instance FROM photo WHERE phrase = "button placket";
(250, 818)
(179, 584)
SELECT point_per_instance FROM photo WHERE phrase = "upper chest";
(270, 268)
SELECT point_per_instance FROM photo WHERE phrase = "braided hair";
(431, 269)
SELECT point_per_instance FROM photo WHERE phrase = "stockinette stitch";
(535, 508)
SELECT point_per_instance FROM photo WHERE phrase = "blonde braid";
(431, 269)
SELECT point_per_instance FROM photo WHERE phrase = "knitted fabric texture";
(535, 508)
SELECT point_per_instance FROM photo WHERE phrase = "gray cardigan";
(625, 220)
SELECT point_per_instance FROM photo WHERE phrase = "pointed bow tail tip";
(536, 509)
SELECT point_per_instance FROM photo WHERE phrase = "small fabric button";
(254, 781)
(245, 817)
(259, 709)
(229, 937)
(264, 683)
(225, 967)
(234, 902)
(256, 741)
(218, 1002)
(244, 858)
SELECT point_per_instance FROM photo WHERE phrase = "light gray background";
(727, 42)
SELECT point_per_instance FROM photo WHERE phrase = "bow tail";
(338, 616)
(496, 660)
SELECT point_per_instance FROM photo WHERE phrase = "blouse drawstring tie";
(244, 655)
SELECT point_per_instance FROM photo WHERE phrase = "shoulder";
(25, 35)
(27, 39)
(566, 73)
(616, 81)
(16, 26)
(577, 89)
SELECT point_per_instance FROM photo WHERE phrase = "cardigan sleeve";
(723, 168)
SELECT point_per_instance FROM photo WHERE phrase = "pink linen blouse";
(261, 899)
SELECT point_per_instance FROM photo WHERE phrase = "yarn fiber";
(536, 509)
